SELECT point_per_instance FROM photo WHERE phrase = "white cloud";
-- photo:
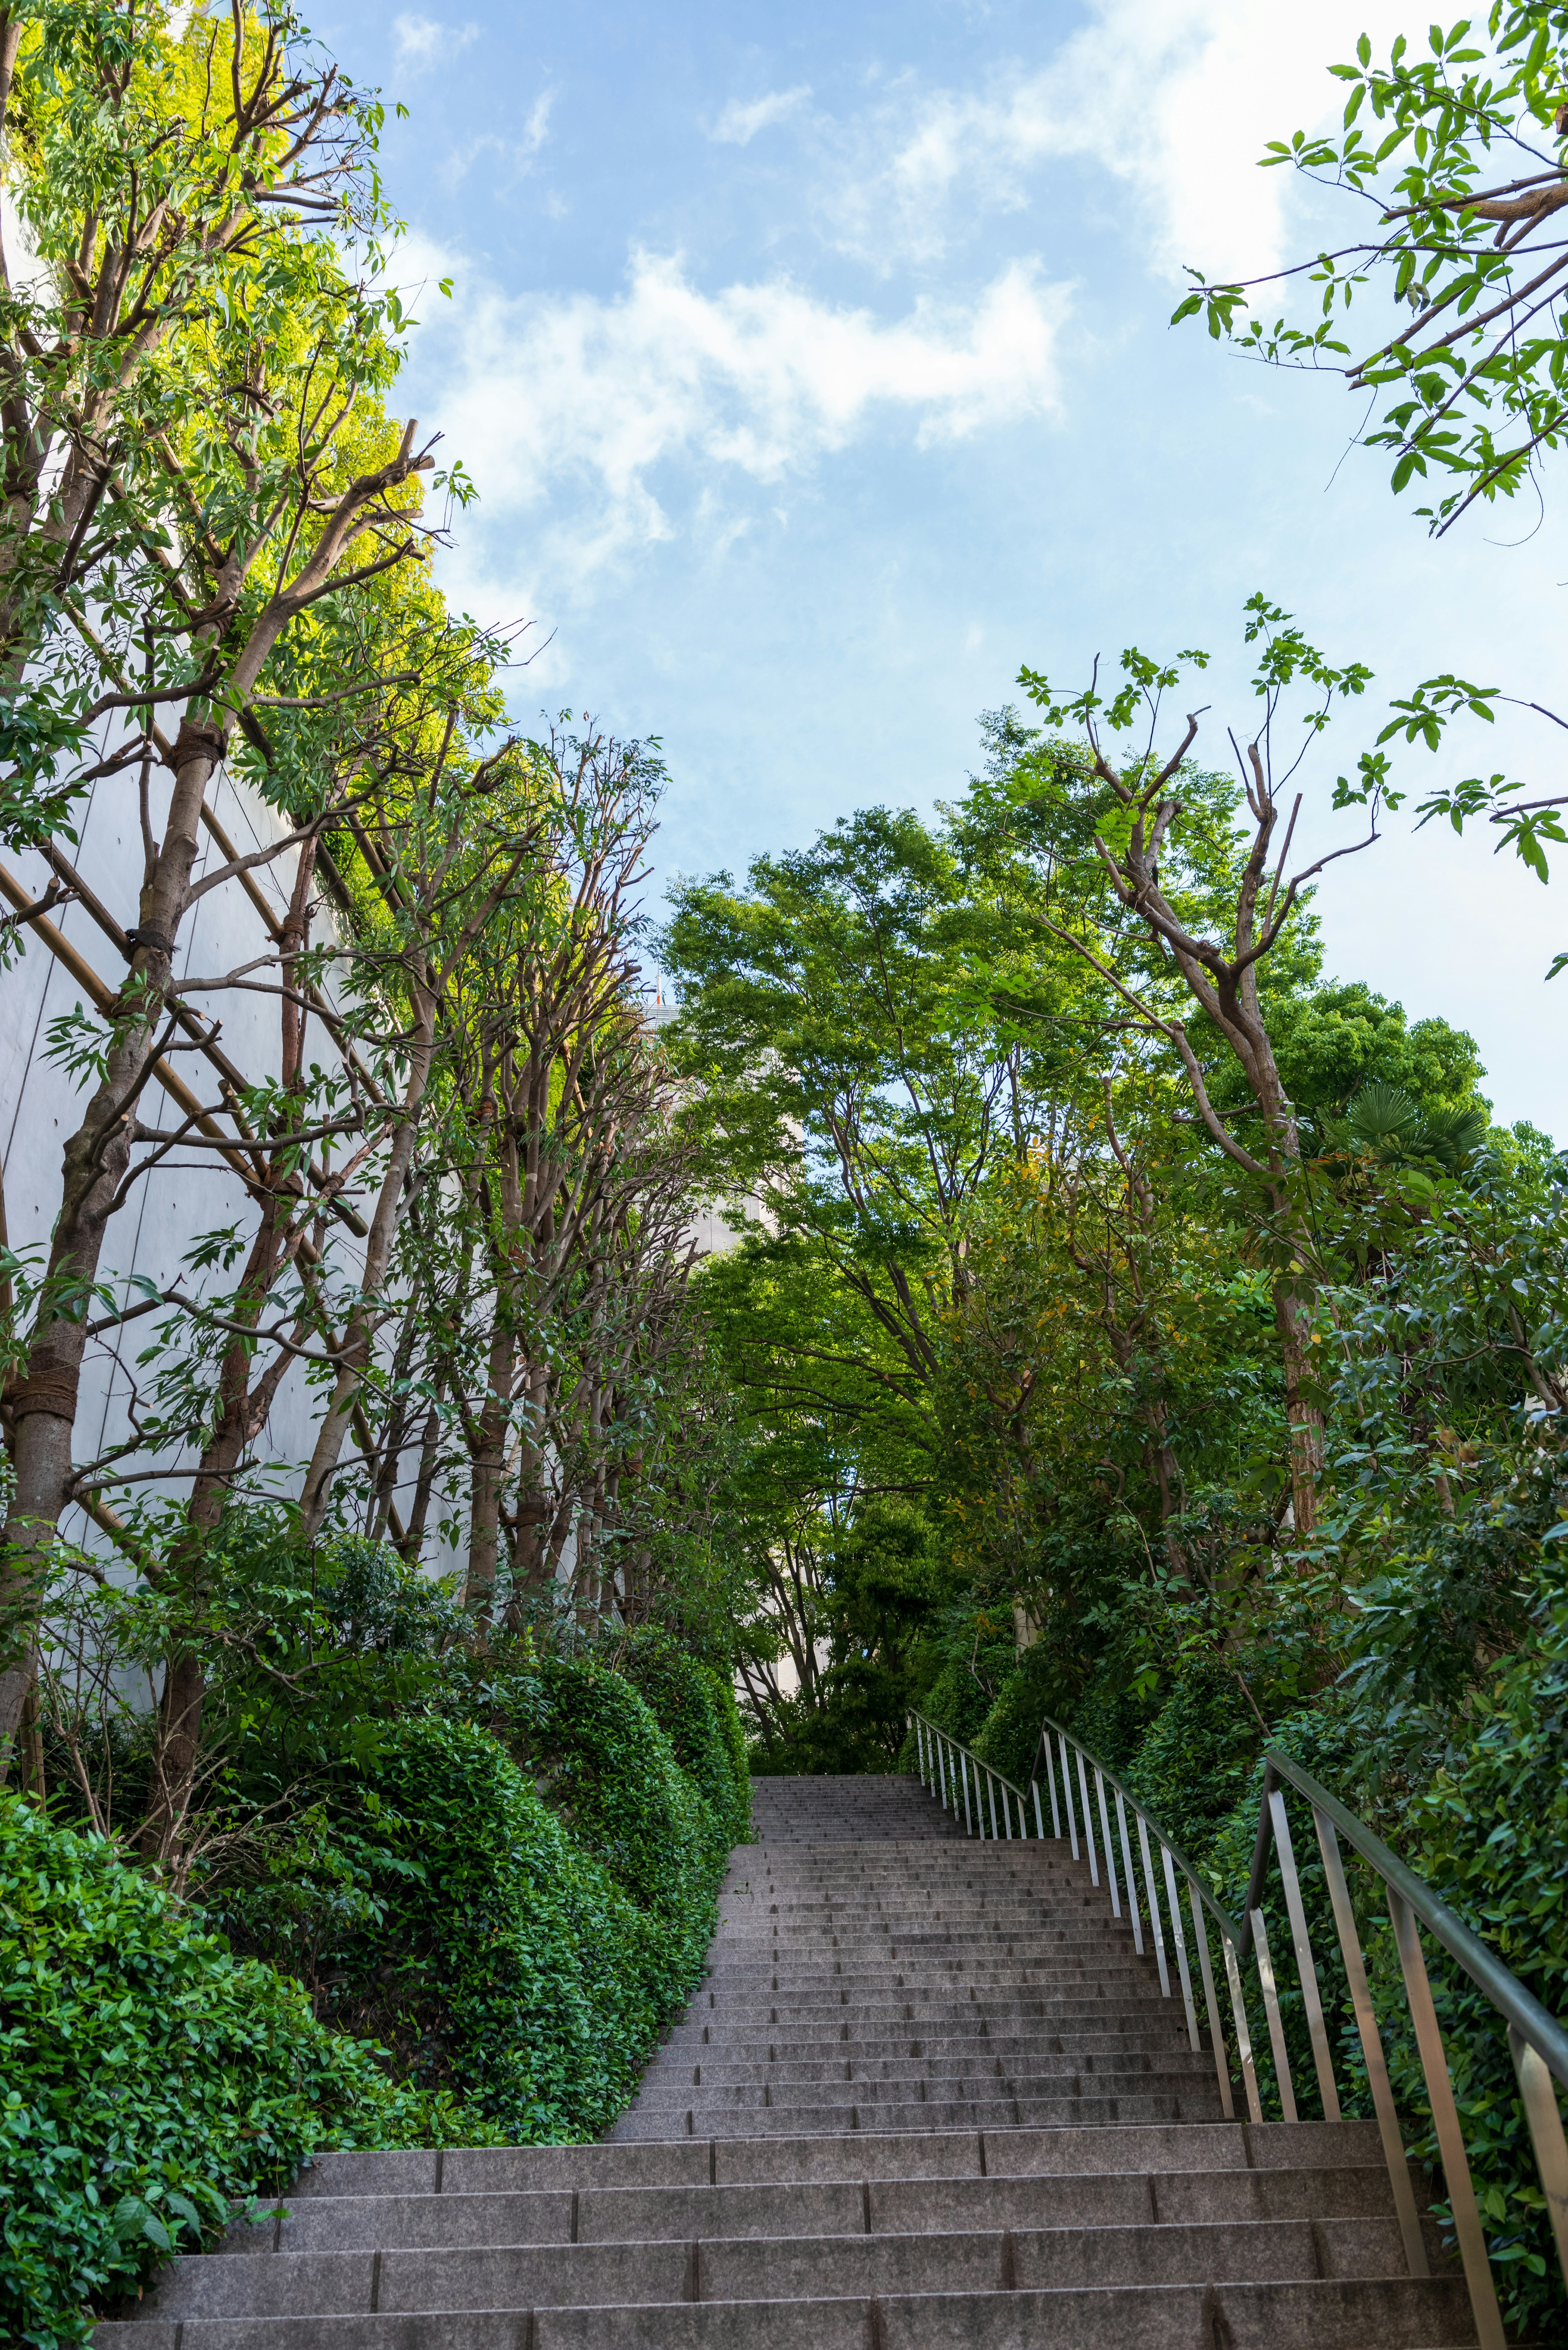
(516, 155)
(536, 129)
(574, 407)
(738, 124)
(421, 40)
(1174, 97)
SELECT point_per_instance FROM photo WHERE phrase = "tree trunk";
(358, 1337)
(1292, 1319)
(43, 1400)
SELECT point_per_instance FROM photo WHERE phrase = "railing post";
(1067, 1794)
(1540, 2101)
(942, 1769)
(1106, 1833)
(1155, 1926)
(1372, 2048)
(1088, 1823)
(1050, 1783)
(968, 1824)
(1039, 1824)
(1174, 1907)
(1446, 2120)
(991, 1794)
(1305, 1967)
(1243, 2031)
(1127, 1872)
(1221, 2062)
(1272, 2010)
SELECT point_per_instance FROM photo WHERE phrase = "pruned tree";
(1140, 826)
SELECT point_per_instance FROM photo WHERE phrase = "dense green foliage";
(151, 2077)
(493, 1949)
(493, 1861)
(695, 1707)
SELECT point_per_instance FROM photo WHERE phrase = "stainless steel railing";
(1537, 2043)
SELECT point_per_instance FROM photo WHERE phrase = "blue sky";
(814, 369)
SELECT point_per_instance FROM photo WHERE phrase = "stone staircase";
(926, 2097)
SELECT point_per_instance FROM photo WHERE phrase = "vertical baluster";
(1039, 1823)
(1446, 2120)
(1128, 1873)
(968, 1825)
(1155, 1926)
(1272, 2010)
(1088, 1823)
(1305, 1967)
(1006, 1811)
(1067, 1796)
(943, 1771)
(1372, 2047)
(1050, 1783)
(1244, 2030)
(1174, 1907)
(1540, 2100)
(1221, 2064)
(990, 1793)
(1105, 1834)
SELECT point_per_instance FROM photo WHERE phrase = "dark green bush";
(150, 2078)
(966, 1687)
(601, 1761)
(696, 1709)
(498, 1959)
(1010, 1739)
(1192, 1767)
(1489, 1835)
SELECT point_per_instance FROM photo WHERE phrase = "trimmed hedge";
(604, 1763)
(150, 2078)
(506, 1963)
(696, 1709)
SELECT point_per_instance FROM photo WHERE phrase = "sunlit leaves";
(1466, 182)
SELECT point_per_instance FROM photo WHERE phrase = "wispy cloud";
(423, 40)
(740, 123)
(584, 411)
(536, 128)
(1172, 98)
(515, 156)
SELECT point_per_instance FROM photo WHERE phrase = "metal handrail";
(1507, 1993)
(946, 1763)
(1537, 2043)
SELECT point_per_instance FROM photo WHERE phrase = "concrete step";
(876, 2207)
(981, 2063)
(753, 2044)
(1315, 2313)
(903, 2085)
(702, 2120)
(555, 2275)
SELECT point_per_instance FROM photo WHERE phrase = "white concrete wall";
(40, 1105)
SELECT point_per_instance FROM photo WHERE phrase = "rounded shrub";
(696, 1709)
(503, 1961)
(150, 2079)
